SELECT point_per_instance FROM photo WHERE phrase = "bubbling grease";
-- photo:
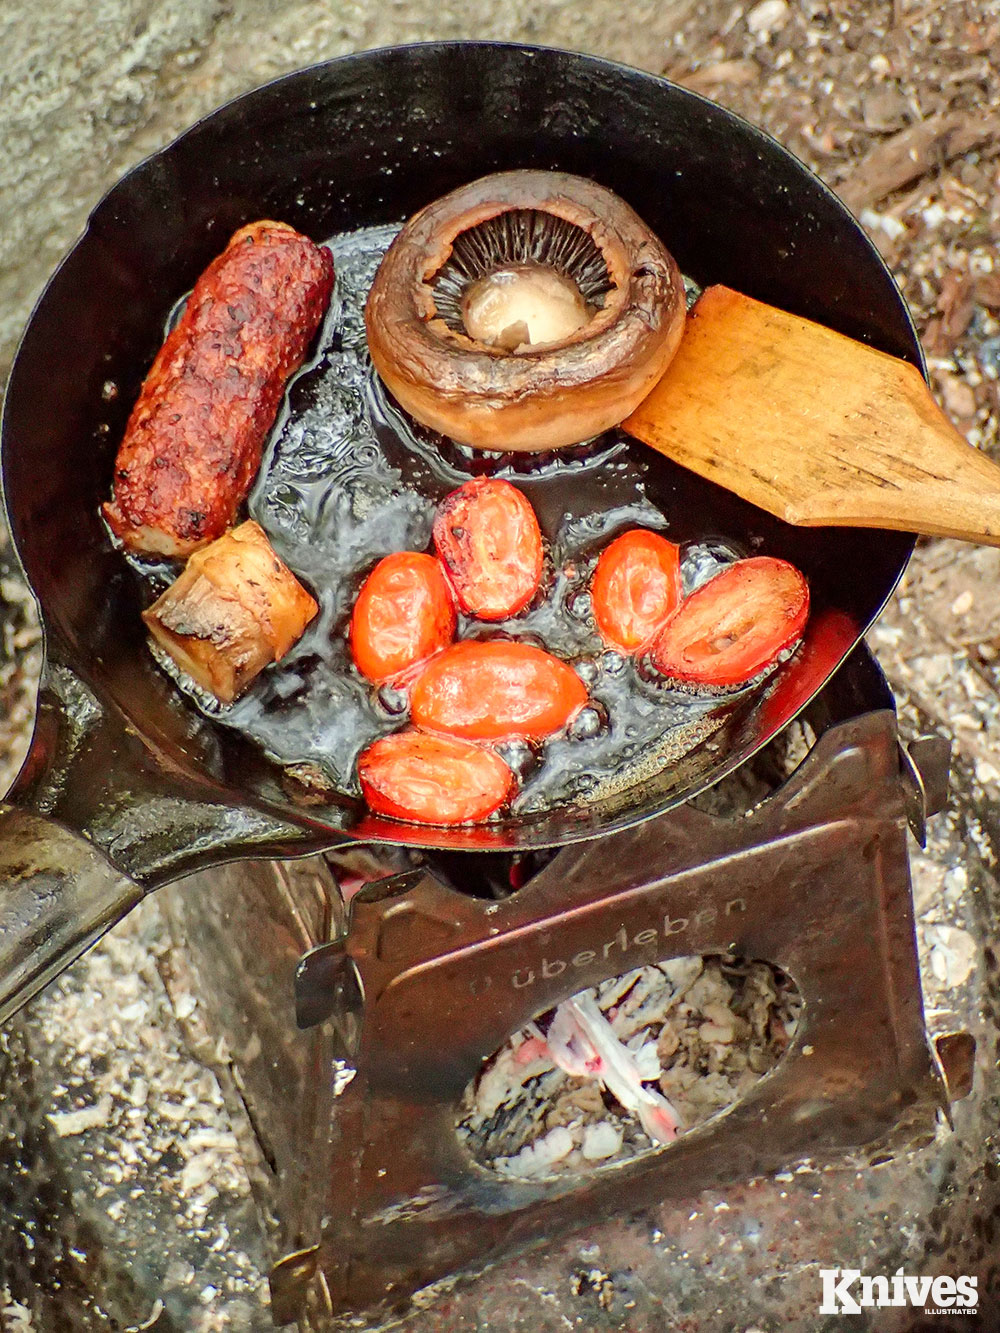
(347, 478)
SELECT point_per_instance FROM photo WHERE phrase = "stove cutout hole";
(621, 1069)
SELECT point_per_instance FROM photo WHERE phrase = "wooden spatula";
(815, 427)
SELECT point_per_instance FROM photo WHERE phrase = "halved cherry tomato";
(404, 614)
(733, 627)
(635, 589)
(433, 779)
(487, 536)
(487, 691)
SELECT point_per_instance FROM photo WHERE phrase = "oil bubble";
(533, 641)
(703, 561)
(578, 604)
(648, 673)
(520, 757)
(588, 669)
(589, 722)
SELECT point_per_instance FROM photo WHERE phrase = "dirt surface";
(896, 105)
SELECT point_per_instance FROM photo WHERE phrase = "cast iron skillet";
(153, 787)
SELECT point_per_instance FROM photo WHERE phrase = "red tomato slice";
(487, 691)
(487, 536)
(733, 627)
(433, 779)
(404, 614)
(635, 589)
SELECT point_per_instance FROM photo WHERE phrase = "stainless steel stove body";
(414, 984)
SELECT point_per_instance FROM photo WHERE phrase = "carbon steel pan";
(361, 143)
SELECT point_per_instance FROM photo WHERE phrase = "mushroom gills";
(522, 280)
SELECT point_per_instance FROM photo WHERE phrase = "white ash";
(708, 1029)
(68, 1123)
(343, 1073)
(14, 1317)
(601, 1141)
(148, 1143)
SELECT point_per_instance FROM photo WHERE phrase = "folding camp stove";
(417, 981)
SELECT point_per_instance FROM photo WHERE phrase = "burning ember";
(622, 1068)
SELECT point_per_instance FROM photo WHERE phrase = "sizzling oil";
(347, 478)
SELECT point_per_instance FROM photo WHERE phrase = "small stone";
(884, 222)
(885, 109)
(952, 953)
(957, 398)
(988, 356)
(767, 17)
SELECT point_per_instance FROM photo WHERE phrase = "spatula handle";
(942, 486)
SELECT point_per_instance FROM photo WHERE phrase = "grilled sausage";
(235, 609)
(194, 441)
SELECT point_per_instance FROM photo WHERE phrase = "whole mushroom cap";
(532, 398)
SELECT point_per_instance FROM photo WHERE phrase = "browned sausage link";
(194, 441)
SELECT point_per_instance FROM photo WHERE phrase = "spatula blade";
(813, 426)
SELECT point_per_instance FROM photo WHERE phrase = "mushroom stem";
(523, 306)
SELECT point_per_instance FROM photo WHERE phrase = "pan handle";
(59, 895)
(93, 822)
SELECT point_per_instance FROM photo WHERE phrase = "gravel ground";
(897, 105)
